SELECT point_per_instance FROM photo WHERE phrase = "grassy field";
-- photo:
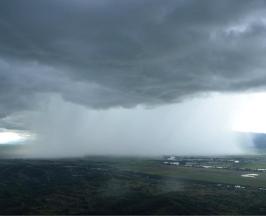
(223, 176)
(254, 165)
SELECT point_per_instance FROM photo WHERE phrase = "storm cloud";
(123, 53)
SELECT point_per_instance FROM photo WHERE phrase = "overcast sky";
(127, 65)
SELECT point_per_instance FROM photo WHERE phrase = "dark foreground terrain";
(101, 185)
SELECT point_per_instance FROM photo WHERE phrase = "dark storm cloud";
(126, 52)
(259, 141)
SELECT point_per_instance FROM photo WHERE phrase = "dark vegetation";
(99, 185)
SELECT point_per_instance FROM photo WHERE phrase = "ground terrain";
(123, 185)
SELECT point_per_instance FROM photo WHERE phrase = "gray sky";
(130, 60)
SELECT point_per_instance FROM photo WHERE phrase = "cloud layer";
(121, 53)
